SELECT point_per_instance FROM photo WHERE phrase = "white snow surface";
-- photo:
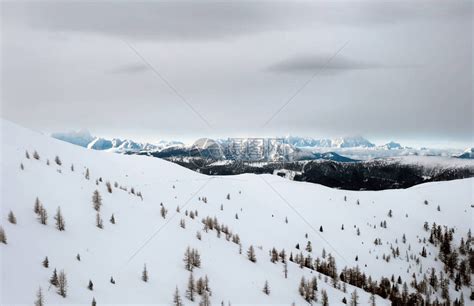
(141, 236)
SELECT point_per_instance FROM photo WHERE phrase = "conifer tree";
(39, 297)
(62, 284)
(112, 280)
(308, 247)
(324, 298)
(58, 161)
(372, 300)
(94, 303)
(354, 298)
(285, 269)
(87, 174)
(11, 217)
(145, 274)
(46, 262)
(266, 288)
(27, 155)
(54, 279)
(191, 288)
(22, 167)
(90, 286)
(37, 206)
(96, 200)
(251, 254)
(163, 211)
(108, 186)
(36, 155)
(72, 167)
(3, 236)
(205, 301)
(60, 224)
(112, 219)
(42, 215)
(78, 257)
(177, 298)
(98, 221)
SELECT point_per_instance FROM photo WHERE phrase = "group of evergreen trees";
(192, 259)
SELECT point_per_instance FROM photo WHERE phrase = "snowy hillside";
(380, 235)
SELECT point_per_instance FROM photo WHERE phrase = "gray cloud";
(311, 64)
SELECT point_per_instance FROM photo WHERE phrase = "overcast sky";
(400, 70)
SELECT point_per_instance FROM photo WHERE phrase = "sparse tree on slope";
(42, 215)
(266, 288)
(11, 217)
(36, 155)
(251, 254)
(94, 303)
(324, 298)
(39, 297)
(145, 274)
(90, 286)
(58, 160)
(205, 301)
(354, 298)
(98, 221)
(112, 219)
(54, 279)
(60, 224)
(62, 284)
(96, 200)
(46, 262)
(37, 206)
(177, 298)
(191, 288)
(3, 236)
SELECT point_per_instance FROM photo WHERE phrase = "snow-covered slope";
(254, 207)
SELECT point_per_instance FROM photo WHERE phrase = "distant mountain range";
(290, 148)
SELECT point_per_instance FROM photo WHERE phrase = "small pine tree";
(324, 298)
(308, 247)
(3, 236)
(39, 296)
(266, 288)
(251, 254)
(11, 217)
(321, 229)
(54, 279)
(60, 223)
(177, 298)
(112, 219)
(109, 186)
(46, 262)
(42, 215)
(163, 211)
(36, 155)
(354, 298)
(94, 303)
(78, 257)
(22, 167)
(90, 286)
(37, 206)
(27, 155)
(112, 280)
(98, 221)
(96, 200)
(205, 301)
(87, 174)
(72, 167)
(372, 300)
(145, 274)
(62, 284)
(58, 161)
(191, 288)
